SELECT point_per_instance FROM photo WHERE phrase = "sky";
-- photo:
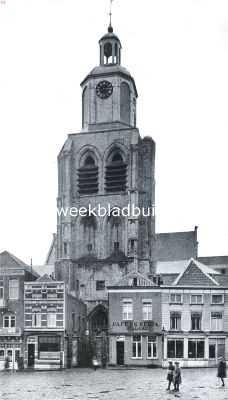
(177, 52)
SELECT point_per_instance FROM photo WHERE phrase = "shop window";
(175, 298)
(100, 285)
(216, 321)
(217, 299)
(196, 321)
(212, 351)
(36, 320)
(49, 343)
(137, 346)
(13, 289)
(175, 321)
(196, 299)
(195, 348)
(175, 348)
(127, 313)
(151, 347)
(51, 320)
(147, 310)
(9, 321)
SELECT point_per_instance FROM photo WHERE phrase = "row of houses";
(40, 321)
(184, 318)
(151, 319)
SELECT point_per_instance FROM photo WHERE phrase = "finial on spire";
(110, 28)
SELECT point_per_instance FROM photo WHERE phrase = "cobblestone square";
(125, 384)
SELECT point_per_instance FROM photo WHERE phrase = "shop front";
(11, 351)
(45, 351)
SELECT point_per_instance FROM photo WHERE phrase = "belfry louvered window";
(88, 177)
(116, 174)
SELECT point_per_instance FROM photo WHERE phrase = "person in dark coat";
(177, 377)
(170, 373)
(222, 370)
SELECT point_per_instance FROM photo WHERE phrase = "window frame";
(196, 295)
(177, 315)
(175, 301)
(195, 315)
(127, 302)
(217, 319)
(98, 282)
(219, 294)
(1, 289)
(154, 345)
(12, 288)
(148, 313)
(175, 340)
(138, 345)
(10, 319)
(196, 341)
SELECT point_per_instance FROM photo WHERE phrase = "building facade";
(108, 165)
(182, 317)
(13, 274)
(135, 322)
(53, 323)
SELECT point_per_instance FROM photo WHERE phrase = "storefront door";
(12, 356)
(120, 353)
(31, 355)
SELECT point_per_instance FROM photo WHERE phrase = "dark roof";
(8, 260)
(173, 246)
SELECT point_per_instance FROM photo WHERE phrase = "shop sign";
(133, 325)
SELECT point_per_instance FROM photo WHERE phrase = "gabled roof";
(128, 280)
(8, 260)
(176, 267)
(195, 274)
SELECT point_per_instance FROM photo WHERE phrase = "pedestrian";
(170, 374)
(177, 376)
(222, 370)
(94, 363)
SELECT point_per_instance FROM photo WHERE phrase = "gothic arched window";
(116, 173)
(115, 234)
(88, 227)
(125, 103)
(88, 175)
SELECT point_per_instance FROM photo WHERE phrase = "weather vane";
(110, 12)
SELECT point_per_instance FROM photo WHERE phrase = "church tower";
(107, 164)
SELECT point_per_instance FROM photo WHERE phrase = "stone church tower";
(108, 164)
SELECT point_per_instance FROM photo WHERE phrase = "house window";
(175, 321)
(51, 320)
(196, 348)
(217, 299)
(36, 320)
(49, 343)
(151, 347)
(196, 321)
(175, 298)
(216, 321)
(175, 348)
(196, 299)
(13, 289)
(127, 310)
(147, 310)
(1, 289)
(9, 321)
(137, 346)
(100, 285)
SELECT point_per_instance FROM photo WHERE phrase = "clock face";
(104, 89)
